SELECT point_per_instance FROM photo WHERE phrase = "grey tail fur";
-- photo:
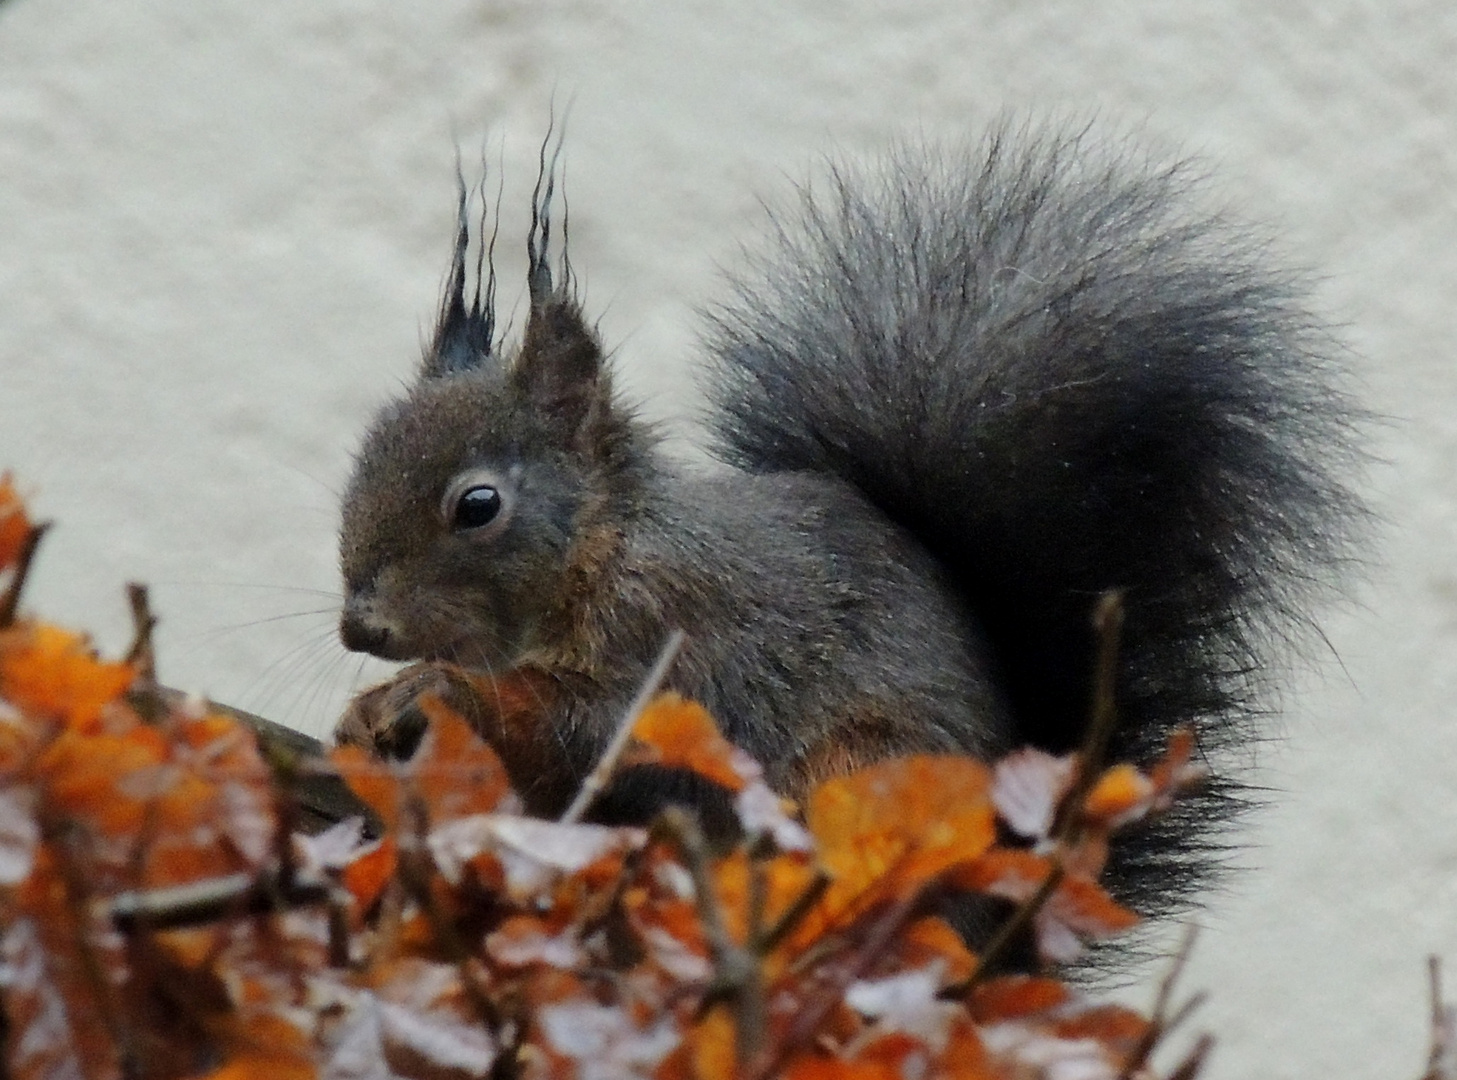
(1045, 361)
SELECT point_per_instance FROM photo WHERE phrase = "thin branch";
(1108, 625)
(10, 598)
(1160, 1022)
(601, 774)
(207, 901)
(804, 1026)
(77, 897)
(737, 976)
(416, 867)
(1442, 1058)
(141, 655)
(1008, 933)
(794, 914)
(1189, 1068)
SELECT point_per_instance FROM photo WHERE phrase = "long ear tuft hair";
(465, 332)
(538, 241)
(561, 366)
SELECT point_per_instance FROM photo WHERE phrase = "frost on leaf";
(1029, 786)
(907, 1004)
(531, 853)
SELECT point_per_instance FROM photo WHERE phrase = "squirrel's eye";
(476, 507)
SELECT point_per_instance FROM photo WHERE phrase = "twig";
(794, 914)
(1190, 1066)
(600, 775)
(207, 901)
(1108, 625)
(1442, 1058)
(1160, 1022)
(77, 900)
(10, 598)
(1007, 934)
(809, 1019)
(141, 655)
(415, 871)
(737, 976)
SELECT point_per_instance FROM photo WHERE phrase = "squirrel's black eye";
(476, 507)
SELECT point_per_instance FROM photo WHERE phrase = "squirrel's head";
(470, 492)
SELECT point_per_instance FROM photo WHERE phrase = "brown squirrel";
(961, 394)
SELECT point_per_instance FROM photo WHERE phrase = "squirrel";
(956, 396)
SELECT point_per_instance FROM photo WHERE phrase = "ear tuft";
(560, 368)
(465, 332)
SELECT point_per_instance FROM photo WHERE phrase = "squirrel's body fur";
(962, 396)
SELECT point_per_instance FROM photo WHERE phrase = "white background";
(223, 227)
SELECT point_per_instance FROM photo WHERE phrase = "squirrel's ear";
(464, 332)
(560, 367)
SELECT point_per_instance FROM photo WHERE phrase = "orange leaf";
(1010, 997)
(1111, 1025)
(929, 939)
(367, 876)
(265, 1047)
(15, 526)
(887, 830)
(372, 781)
(1175, 770)
(454, 770)
(681, 735)
(1011, 873)
(1121, 793)
(711, 1042)
(1088, 910)
(55, 674)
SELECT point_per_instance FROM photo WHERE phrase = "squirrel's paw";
(387, 720)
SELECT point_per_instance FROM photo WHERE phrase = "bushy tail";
(1044, 360)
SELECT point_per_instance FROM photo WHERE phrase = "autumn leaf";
(49, 672)
(1079, 909)
(680, 734)
(15, 525)
(1028, 789)
(886, 831)
(1121, 795)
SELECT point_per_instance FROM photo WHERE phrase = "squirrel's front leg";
(516, 714)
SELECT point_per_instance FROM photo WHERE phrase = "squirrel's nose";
(360, 635)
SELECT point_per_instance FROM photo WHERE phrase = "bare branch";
(1442, 1058)
(737, 976)
(601, 774)
(1108, 625)
(10, 598)
(1008, 933)
(806, 1024)
(1160, 1022)
(141, 655)
(794, 914)
(201, 902)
